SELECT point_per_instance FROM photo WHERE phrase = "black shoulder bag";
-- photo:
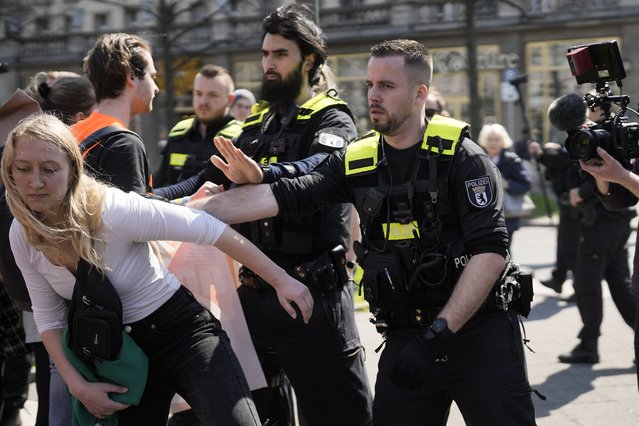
(95, 316)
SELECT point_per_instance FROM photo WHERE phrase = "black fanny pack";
(95, 316)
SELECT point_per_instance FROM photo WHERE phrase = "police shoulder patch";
(479, 191)
(331, 140)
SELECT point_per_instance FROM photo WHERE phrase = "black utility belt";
(512, 292)
(325, 272)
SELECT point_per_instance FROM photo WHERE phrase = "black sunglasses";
(430, 112)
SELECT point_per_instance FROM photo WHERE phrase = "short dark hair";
(211, 71)
(110, 60)
(416, 56)
(294, 22)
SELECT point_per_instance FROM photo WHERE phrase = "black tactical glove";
(418, 360)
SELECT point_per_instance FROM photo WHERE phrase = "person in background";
(497, 143)
(618, 187)
(241, 106)
(15, 361)
(435, 104)
(601, 254)
(190, 142)
(63, 215)
(70, 98)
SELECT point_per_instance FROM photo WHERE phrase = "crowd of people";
(288, 188)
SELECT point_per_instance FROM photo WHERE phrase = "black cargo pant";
(323, 359)
(603, 254)
(485, 374)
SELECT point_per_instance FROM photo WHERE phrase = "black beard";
(282, 93)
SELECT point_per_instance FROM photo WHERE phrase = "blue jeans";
(190, 354)
(59, 400)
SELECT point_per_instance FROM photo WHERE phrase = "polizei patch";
(479, 191)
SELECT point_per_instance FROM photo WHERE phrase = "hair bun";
(44, 90)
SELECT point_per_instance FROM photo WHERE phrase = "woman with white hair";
(497, 143)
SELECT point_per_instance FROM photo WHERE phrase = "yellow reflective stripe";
(181, 127)
(446, 128)
(232, 129)
(315, 104)
(361, 156)
(177, 160)
(255, 118)
(266, 161)
(400, 231)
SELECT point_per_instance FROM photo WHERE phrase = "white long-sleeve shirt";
(129, 222)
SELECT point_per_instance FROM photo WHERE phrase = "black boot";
(11, 417)
(553, 284)
(583, 353)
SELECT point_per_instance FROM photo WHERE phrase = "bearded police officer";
(324, 359)
(433, 246)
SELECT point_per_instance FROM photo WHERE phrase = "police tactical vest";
(187, 159)
(291, 141)
(410, 233)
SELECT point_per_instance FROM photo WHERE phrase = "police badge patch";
(479, 191)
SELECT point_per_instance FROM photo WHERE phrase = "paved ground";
(577, 395)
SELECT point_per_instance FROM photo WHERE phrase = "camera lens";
(582, 144)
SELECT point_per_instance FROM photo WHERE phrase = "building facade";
(525, 44)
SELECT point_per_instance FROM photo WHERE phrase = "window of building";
(42, 25)
(101, 21)
(74, 20)
(131, 15)
(549, 77)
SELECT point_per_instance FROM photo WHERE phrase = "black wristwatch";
(440, 328)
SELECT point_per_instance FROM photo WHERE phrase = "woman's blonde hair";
(498, 129)
(82, 204)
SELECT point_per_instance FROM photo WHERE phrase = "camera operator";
(617, 188)
(601, 251)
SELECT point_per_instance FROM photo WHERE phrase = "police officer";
(433, 246)
(190, 142)
(324, 359)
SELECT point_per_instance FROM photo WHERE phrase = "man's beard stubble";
(282, 93)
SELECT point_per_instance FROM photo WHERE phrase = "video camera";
(601, 63)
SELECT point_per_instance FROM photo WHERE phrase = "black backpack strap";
(102, 135)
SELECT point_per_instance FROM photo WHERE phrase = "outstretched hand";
(239, 168)
(293, 291)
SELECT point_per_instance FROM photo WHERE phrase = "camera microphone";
(568, 112)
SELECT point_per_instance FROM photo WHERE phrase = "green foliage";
(540, 205)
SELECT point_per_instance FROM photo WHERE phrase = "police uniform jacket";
(187, 153)
(320, 126)
(469, 198)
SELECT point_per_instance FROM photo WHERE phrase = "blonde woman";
(497, 143)
(62, 215)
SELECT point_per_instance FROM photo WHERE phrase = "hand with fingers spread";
(239, 168)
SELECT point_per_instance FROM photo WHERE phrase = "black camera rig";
(601, 63)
